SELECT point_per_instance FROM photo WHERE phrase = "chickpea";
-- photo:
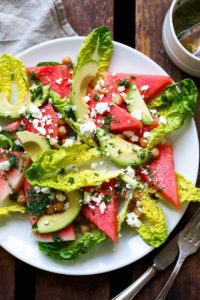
(59, 205)
(21, 200)
(61, 122)
(50, 209)
(66, 60)
(84, 228)
(61, 131)
(117, 99)
(136, 197)
(143, 142)
(155, 152)
(137, 212)
(55, 146)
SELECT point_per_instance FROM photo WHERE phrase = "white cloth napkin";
(25, 23)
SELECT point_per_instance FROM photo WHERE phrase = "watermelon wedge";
(117, 117)
(106, 221)
(49, 122)
(58, 77)
(149, 85)
(161, 175)
(12, 179)
(66, 234)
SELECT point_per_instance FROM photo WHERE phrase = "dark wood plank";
(83, 16)
(59, 287)
(7, 276)
(149, 20)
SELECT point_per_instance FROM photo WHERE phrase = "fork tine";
(191, 226)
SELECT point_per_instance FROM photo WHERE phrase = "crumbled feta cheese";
(1, 128)
(101, 163)
(70, 80)
(137, 114)
(145, 172)
(41, 130)
(113, 74)
(123, 95)
(45, 190)
(66, 205)
(86, 99)
(46, 222)
(134, 87)
(53, 141)
(132, 220)
(131, 135)
(59, 115)
(74, 107)
(153, 111)
(162, 120)
(121, 88)
(7, 113)
(144, 87)
(60, 197)
(37, 189)
(22, 110)
(128, 186)
(68, 142)
(130, 171)
(17, 142)
(35, 111)
(102, 107)
(86, 198)
(93, 166)
(138, 205)
(88, 129)
(102, 207)
(5, 165)
(50, 100)
(59, 81)
(146, 134)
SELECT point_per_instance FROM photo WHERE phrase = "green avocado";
(55, 222)
(11, 111)
(33, 143)
(121, 152)
(136, 103)
(85, 73)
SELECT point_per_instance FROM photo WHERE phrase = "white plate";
(15, 233)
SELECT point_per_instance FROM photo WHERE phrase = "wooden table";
(136, 23)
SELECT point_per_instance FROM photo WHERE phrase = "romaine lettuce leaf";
(97, 45)
(69, 169)
(14, 81)
(71, 250)
(13, 207)
(187, 190)
(61, 104)
(179, 103)
(153, 228)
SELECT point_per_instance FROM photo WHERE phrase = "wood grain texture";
(59, 287)
(7, 276)
(149, 20)
(85, 15)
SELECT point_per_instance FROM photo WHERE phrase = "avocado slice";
(11, 111)
(39, 94)
(33, 143)
(55, 222)
(85, 73)
(122, 152)
(136, 103)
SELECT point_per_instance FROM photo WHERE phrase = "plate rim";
(148, 250)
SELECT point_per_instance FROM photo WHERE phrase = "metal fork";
(189, 243)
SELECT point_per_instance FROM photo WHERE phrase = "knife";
(166, 256)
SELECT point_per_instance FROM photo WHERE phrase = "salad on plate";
(85, 152)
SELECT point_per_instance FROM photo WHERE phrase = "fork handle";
(135, 287)
(171, 279)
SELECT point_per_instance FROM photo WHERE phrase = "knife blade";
(165, 257)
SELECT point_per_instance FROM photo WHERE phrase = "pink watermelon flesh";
(155, 83)
(11, 180)
(120, 119)
(58, 77)
(161, 174)
(107, 221)
(66, 234)
(49, 122)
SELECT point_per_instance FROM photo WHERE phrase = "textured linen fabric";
(25, 23)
